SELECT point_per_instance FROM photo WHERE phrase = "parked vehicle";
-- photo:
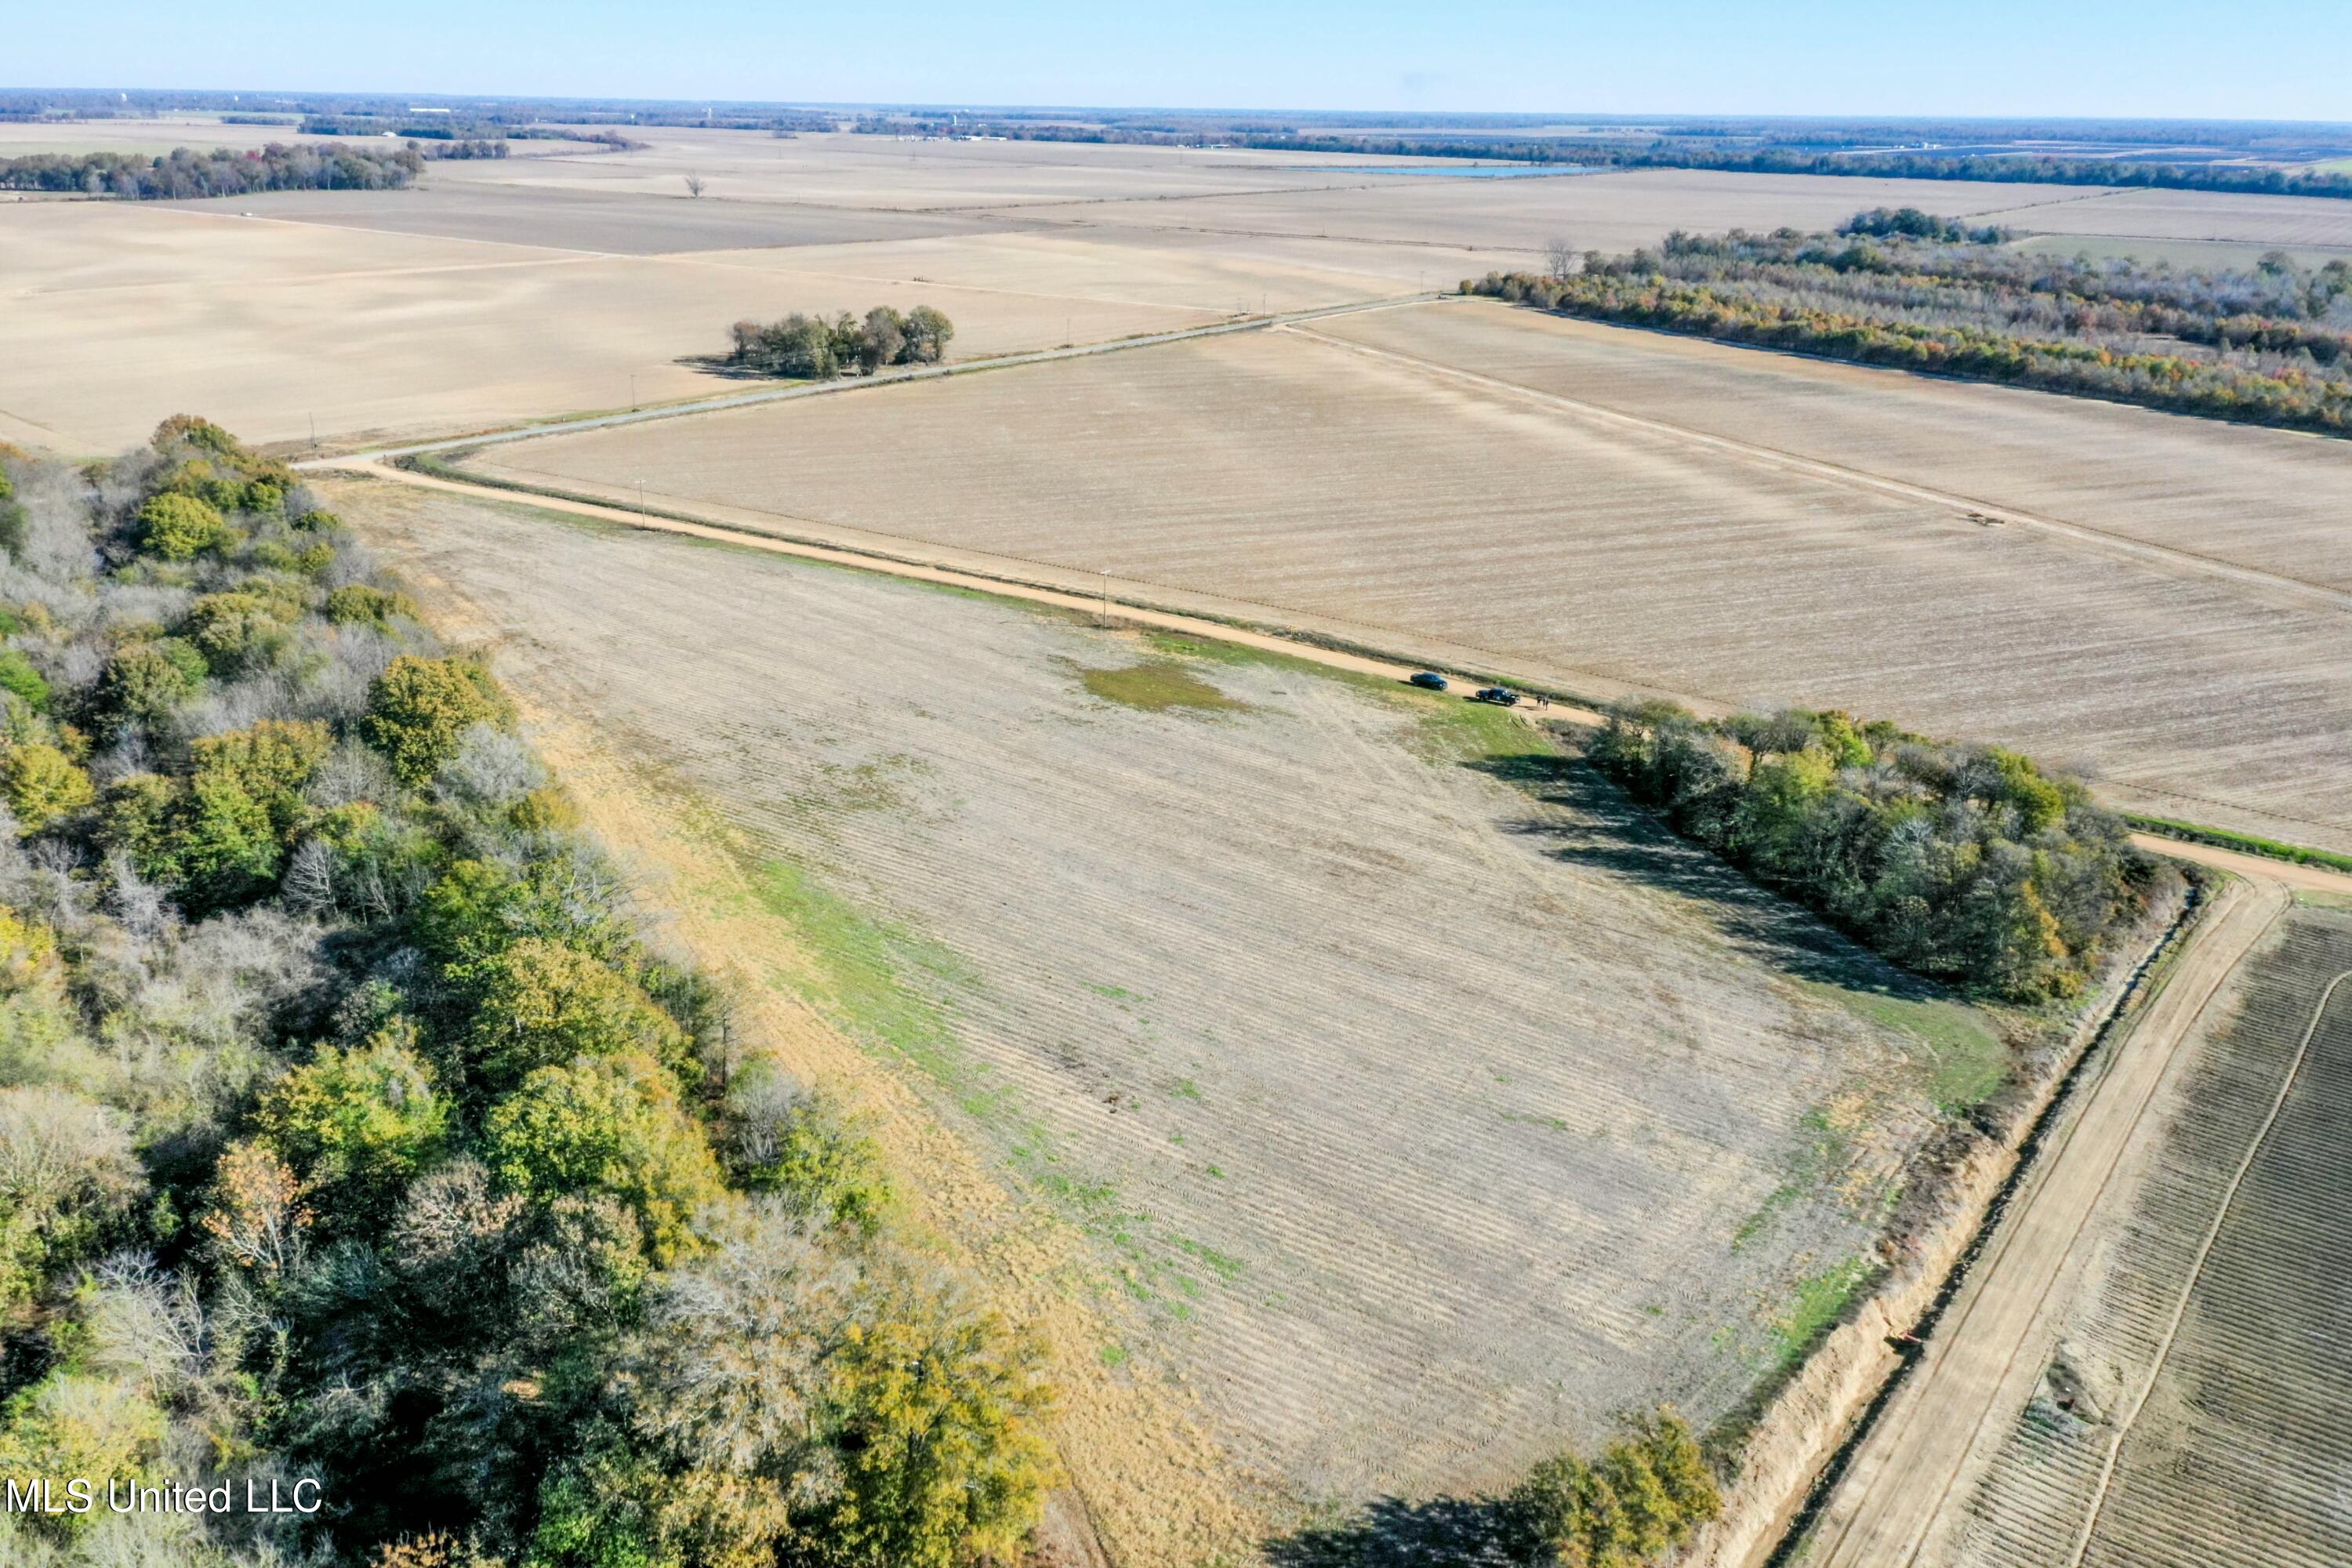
(1429, 681)
(1500, 696)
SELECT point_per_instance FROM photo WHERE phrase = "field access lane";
(1897, 1505)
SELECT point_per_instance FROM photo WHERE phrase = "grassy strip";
(2246, 843)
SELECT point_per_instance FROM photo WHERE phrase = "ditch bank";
(1801, 1445)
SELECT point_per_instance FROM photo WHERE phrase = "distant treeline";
(813, 347)
(488, 134)
(1964, 863)
(2271, 345)
(223, 172)
(1678, 151)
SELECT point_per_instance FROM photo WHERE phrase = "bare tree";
(1558, 255)
(694, 184)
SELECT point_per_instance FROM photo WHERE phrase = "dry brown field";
(1414, 1121)
(537, 285)
(385, 334)
(139, 138)
(2188, 214)
(597, 222)
(2275, 501)
(1302, 475)
(886, 172)
(2197, 1408)
(1509, 221)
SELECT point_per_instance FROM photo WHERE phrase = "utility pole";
(632, 394)
(314, 432)
(1106, 591)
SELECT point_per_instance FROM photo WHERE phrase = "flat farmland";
(1303, 476)
(2197, 1408)
(2188, 214)
(1613, 212)
(1414, 1120)
(373, 332)
(139, 138)
(2275, 501)
(627, 224)
(884, 173)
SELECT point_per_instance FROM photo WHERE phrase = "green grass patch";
(1967, 1060)
(1155, 686)
(859, 977)
(1820, 1301)
(1454, 734)
(2245, 843)
(1822, 1149)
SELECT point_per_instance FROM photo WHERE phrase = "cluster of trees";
(1634, 1505)
(815, 348)
(224, 172)
(350, 1129)
(2270, 345)
(1965, 863)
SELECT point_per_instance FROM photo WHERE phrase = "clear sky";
(2265, 60)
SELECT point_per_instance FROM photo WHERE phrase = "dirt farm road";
(1897, 1504)
(856, 384)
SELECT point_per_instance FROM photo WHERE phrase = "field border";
(2229, 838)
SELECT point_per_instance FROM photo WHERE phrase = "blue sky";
(2283, 59)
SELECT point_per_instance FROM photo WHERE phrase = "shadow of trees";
(1588, 821)
(1455, 1533)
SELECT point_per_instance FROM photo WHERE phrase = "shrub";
(611, 1125)
(359, 604)
(356, 1125)
(942, 1453)
(542, 1004)
(146, 680)
(42, 785)
(67, 1183)
(801, 1148)
(18, 676)
(239, 631)
(180, 527)
(1642, 1500)
(420, 709)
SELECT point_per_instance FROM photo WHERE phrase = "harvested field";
(1419, 1122)
(137, 138)
(1280, 471)
(2241, 1355)
(272, 325)
(1517, 217)
(627, 225)
(2275, 501)
(2188, 214)
(883, 173)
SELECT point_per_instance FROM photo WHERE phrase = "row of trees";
(813, 347)
(2271, 344)
(348, 1128)
(1965, 863)
(224, 172)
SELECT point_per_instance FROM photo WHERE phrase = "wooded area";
(224, 171)
(2269, 346)
(350, 1129)
(1965, 863)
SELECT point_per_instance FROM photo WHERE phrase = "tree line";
(1964, 863)
(2271, 344)
(224, 172)
(350, 1127)
(817, 349)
